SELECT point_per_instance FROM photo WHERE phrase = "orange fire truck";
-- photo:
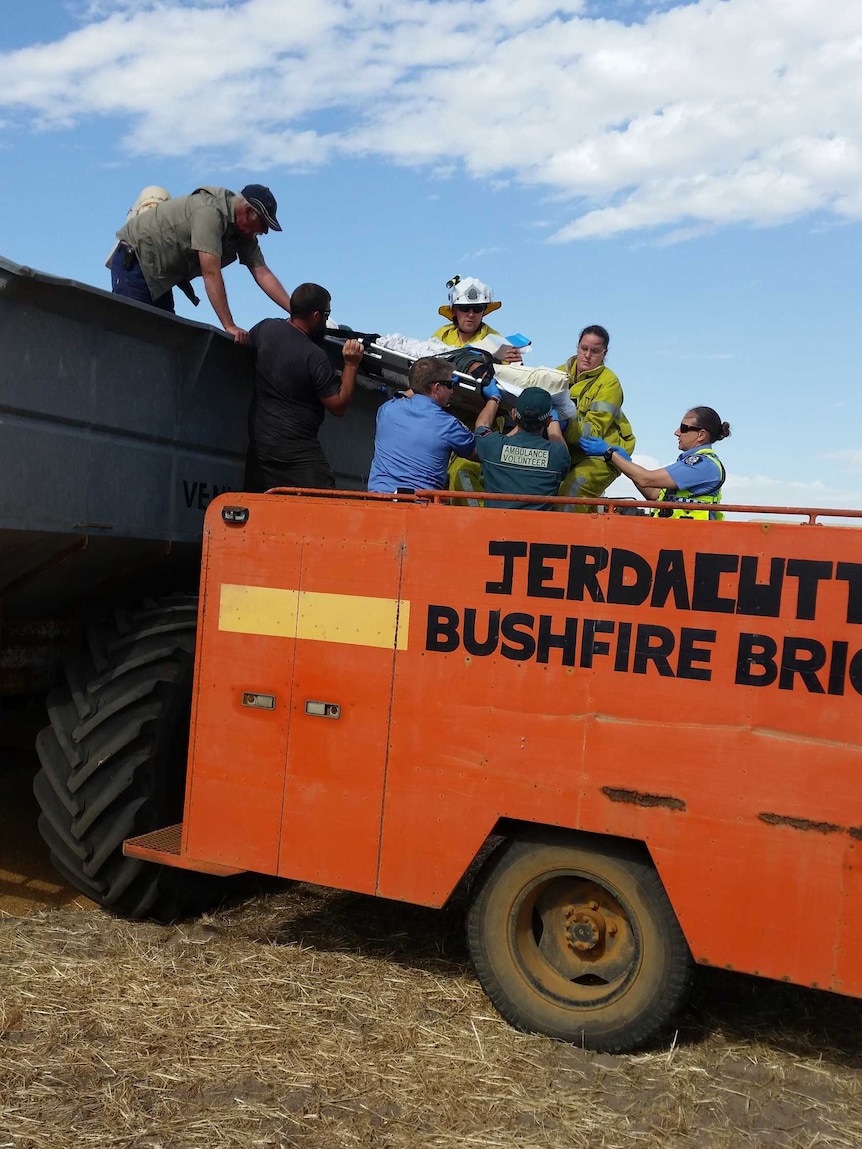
(645, 730)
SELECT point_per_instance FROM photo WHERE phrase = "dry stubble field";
(314, 1018)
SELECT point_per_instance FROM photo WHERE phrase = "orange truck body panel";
(692, 685)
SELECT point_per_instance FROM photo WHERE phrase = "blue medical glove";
(492, 391)
(592, 445)
(555, 418)
(623, 454)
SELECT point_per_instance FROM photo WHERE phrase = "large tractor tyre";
(578, 941)
(113, 761)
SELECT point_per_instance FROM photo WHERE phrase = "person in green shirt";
(523, 461)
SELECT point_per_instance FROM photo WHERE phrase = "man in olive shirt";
(197, 234)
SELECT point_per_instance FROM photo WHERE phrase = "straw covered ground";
(314, 1018)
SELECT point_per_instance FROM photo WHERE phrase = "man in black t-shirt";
(294, 386)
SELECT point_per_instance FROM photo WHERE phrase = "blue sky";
(689, 176)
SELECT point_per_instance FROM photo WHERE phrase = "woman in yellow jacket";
(598, 396)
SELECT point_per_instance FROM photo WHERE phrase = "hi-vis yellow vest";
(706, 505)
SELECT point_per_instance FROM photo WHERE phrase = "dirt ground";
(315, 1019)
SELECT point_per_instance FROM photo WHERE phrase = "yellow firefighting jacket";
(598, 396)
(449, 334)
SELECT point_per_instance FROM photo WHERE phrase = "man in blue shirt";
(416, 435)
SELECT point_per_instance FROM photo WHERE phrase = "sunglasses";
(447, 382)
(477, 307)
(688, 427)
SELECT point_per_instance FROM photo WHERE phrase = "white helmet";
(467, 291)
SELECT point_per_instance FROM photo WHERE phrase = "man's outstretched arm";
(271, 286)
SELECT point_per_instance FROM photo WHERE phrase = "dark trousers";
(302, 463)
(127, 279)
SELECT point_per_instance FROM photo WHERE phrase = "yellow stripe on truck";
(353, 619)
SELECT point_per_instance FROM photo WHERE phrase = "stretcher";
(384, 367)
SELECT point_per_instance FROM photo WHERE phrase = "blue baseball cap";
(263, 202)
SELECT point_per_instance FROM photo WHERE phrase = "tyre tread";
(112, 761)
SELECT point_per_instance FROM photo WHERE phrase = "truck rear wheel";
(113, 761)
(578, 941)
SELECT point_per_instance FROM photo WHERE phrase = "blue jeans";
(129, 281)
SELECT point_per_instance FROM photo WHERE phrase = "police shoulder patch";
(691, 460)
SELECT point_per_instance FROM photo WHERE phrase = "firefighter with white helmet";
(470, 301)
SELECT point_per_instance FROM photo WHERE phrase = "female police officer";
(696, 478)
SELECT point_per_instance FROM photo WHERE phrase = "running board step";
(166, 847)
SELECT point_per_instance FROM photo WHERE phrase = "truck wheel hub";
(585, 928)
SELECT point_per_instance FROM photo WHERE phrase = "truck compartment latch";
(323, 709)
(258, 701)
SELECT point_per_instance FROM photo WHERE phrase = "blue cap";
(263, 202)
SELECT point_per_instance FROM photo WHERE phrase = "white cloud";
(762, 490)
(686, 119)
(480, 253)
(851, 460)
